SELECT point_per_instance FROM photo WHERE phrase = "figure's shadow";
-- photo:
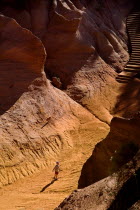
(44, 188)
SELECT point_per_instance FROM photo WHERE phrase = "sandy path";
(25, 193)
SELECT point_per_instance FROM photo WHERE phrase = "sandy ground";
(25, 194)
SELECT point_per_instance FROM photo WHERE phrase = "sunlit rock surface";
(85, 46)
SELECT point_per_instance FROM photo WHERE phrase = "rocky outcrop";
(37, 129)
(118, 148)
(88, 54)
(86, 45)
(22, 60)
(119, 191)
(36, 126)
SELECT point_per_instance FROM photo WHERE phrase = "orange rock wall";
(85, 47)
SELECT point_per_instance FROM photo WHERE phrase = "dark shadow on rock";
(129, 193)
(13, 84)
(21, 61)
(66, 75)
(70, 52)
(45, 187)
(129, 100)
(121, 144)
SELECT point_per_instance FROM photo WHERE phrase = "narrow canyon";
(69, 92)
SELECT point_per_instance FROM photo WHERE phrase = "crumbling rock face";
(85, 48)
(128, 101)
(118, 148)
(37, 124)
(22, 60)
(39, 127)
(85, 54)
(86, 45)
(119, 191)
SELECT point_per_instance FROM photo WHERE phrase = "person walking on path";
(56, 170)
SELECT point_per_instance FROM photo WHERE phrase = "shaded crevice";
(128, 195)
(119, 147)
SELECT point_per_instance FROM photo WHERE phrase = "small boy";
(56, 170)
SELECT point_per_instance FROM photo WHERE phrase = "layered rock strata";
(36, 124)
(85, 45)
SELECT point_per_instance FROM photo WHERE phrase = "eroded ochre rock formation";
(119, 191)
(61, 107)
(85, 43)
(39, 125)
(22, 60)
(118, 148)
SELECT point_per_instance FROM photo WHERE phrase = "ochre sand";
(25, 193)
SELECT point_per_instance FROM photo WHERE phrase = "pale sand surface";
(25, 193)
